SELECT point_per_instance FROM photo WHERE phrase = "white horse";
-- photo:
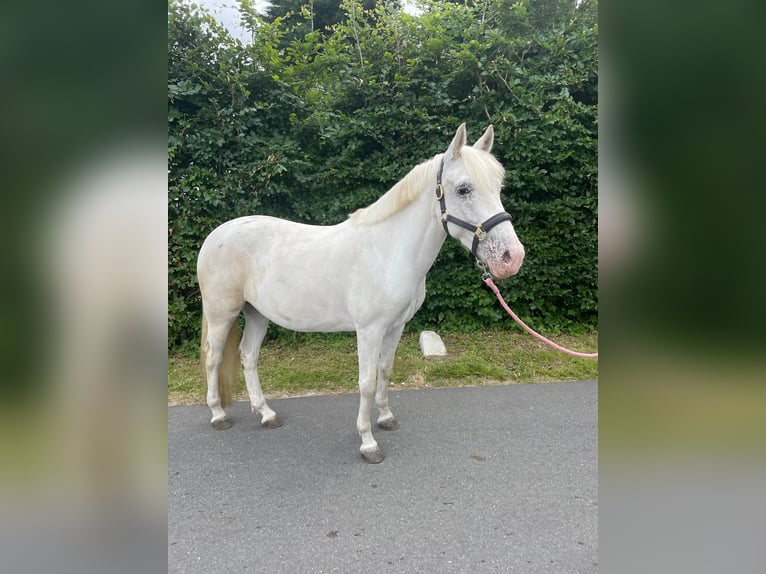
(366, 274)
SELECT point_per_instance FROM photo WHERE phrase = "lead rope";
(487, 278)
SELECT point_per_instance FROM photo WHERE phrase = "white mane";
(404, 192)
(483, 169)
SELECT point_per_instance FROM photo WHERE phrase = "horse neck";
(417, 232)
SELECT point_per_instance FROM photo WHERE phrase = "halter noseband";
(479, 231)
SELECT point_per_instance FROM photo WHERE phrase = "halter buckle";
(439, 191)
(480, 234)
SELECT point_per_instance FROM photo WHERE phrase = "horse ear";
(484, 143)
(457, 143)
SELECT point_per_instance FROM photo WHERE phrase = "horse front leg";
(386, 419)
(369, 344)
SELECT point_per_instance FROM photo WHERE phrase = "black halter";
(479, 231)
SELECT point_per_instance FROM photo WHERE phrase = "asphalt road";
(490, 479)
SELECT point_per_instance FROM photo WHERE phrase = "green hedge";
(312, 128)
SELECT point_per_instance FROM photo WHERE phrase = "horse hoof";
(389, 424)
(373, 457)
(272, 423)
(221, 424)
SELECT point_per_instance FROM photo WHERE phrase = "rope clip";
(485, 274)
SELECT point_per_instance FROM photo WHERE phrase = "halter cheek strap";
(479, 231)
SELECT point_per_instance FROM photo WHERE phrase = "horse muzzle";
(504, 263)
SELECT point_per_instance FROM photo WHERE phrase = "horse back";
(291, 272)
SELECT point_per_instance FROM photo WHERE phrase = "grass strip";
(326, 364)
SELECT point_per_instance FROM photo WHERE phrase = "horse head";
(468, 191)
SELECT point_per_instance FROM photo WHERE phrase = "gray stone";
(431, 344)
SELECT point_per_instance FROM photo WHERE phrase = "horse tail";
(228, 372)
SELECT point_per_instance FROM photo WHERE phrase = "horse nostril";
(507, 256)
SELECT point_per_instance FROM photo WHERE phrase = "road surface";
(486, 479)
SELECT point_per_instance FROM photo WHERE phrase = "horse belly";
(301, 293)
(300, 310)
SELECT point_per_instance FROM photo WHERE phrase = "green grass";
(310, 364)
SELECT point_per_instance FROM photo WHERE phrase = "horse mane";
(404, 192)
(485, 171)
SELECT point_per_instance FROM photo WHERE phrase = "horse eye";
(463, 190)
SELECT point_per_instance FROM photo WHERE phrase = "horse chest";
(410, 304)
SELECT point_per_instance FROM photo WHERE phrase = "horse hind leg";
(255, 331)
(218, 354)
